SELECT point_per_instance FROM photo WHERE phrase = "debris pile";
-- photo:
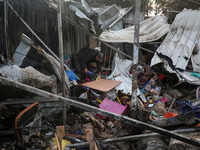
(97, 111)
(159, 105)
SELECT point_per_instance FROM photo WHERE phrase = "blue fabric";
(71, 75)
(186, 106)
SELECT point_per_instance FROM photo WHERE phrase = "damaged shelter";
(179, 52)
(42, 108)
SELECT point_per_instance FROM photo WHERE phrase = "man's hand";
(89, 72)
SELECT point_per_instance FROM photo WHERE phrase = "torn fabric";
(121, 73)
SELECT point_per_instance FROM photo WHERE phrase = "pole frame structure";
(135, 55)
(49, 50)
(60, 38)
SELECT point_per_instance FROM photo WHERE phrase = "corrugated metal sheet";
(108, 16)
(24, 56)
(151, 29)
(84, 15)
(21, 51)
(180, 41)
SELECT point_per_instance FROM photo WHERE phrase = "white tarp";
(151, 29)
(121, 73)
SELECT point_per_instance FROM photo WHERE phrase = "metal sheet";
(108, 16)
(24, 56)
(95, 21)
(21, 51)
(151, 29)
(180, 41)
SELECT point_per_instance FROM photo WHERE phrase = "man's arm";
(98, 67)
(86, 70)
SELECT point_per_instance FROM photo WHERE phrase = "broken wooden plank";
(60, 133)
(124, 119)
(90, 139)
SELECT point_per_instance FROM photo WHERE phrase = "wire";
(98, 100)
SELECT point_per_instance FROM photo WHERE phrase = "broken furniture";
(29, 117)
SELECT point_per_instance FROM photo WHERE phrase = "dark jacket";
(87, 56)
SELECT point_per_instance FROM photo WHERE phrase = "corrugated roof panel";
(181, 39)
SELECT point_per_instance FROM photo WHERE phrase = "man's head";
(99, 56)
(98, 49)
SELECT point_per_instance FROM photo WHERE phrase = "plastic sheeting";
(151, 29)
(121, 73)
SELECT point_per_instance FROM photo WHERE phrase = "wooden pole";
(60, 133)
(60, 38)
(135, 55)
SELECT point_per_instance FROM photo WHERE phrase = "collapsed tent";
(151, 29)
(179, 45)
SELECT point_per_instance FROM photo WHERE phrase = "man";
(87, 56)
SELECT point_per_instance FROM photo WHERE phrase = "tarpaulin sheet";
(151, 29)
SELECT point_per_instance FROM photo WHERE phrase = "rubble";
(99, 112)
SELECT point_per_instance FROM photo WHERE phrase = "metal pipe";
(133, 137)
(169, 109)
(146, 49)
(113, 48)
(109, 114)
(135, 55)
(26, 102)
